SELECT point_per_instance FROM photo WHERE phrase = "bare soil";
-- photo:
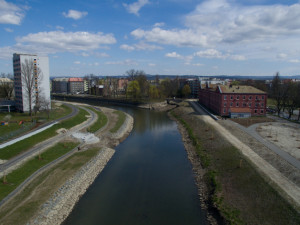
(285, 136)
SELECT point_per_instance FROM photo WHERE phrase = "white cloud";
(294, 61)
(232, 23)
(10, 13)
(74, 14)
(127, 47)
(7, 52)
(8, 30)
(125, 62)
(215, 54)
(135, 7)
(59, 28)
(173, 55)
(159, 24)
(151, 64)
(186, 37)
(226, 24)
(77, 62)
(140, 46)
(59, 41)
(281, 55)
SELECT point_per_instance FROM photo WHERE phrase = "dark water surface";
(149, 180)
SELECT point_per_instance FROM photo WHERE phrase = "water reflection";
(149, 180)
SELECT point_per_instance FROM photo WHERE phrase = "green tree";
(186, 90)
(133, 89)
(153, 92)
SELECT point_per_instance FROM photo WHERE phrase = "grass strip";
(21, 208)
(101, 121)
(121, 119)
(15, 178)
(22, 146)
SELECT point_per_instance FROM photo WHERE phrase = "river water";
(149, 180)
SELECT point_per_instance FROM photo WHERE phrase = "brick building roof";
(240, 89)
(75, 79)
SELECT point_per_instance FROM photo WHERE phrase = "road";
(289, 190)
(19, 159)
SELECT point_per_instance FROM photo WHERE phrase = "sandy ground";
(286, 137)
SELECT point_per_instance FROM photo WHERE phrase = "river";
(149, 180)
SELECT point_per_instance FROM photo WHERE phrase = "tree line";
(286, 95)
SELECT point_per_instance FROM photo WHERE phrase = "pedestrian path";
(26, 136)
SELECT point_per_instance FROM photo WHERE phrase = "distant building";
(60, 85)
(41, 86)
(233, 101)
(75, 85)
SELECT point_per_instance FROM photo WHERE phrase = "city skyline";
(171, 37)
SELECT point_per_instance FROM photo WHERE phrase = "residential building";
(75, 85)
(60, 85)
(233, 101)
(41, 83)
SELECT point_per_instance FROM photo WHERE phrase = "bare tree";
(31, 76)
(6, 86)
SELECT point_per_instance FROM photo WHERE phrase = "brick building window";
(237, 97)
(225, 97)
(237, 104)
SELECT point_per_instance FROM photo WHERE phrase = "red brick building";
(234, 101)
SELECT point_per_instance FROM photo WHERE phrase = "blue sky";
(109, 37)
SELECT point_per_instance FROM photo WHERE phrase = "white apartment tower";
(41, 89)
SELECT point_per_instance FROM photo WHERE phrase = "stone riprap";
(60, 205)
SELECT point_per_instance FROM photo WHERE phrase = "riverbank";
(61, 203)
(50, 197)
(232, 188)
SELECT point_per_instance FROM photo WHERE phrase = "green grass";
(22, 146)
(14, 127)
(16, 177)
(101, 121)
(119, 123)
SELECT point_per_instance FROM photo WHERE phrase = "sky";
(164, 37)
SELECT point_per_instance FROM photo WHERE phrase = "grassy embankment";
(22, 146)
(101, 121)
(121, 119)
(13, 126)
(236, 189)
(15, 178)
(21, 208)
